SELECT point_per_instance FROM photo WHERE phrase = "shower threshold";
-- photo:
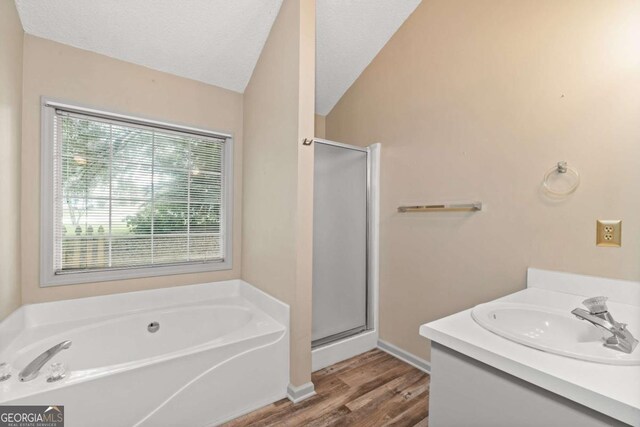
(337, 337)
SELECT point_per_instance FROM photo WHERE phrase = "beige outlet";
(609, 233)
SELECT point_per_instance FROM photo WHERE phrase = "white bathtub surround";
(405, 356)
(300, 393)
(609, 389)
(199, 368)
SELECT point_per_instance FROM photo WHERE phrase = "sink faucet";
(621, 339)
(32, 369)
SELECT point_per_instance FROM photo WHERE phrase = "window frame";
(48, 277)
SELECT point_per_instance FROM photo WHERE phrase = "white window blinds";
(129, 195)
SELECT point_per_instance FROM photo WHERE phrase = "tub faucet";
(32, 369)
(621, 339)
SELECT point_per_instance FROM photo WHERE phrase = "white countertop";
(611, 389)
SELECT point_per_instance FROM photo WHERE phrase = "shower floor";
(372, 389)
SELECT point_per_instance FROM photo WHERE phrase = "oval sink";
(550, 330)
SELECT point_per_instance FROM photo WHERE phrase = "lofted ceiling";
(213, 41)
(218, 41)
(350, 33)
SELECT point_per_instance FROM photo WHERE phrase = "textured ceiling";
(218, 41)
(213, 41)
(350, 33)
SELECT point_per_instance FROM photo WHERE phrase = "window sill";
(51, 279)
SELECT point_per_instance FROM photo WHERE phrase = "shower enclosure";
(342, 300)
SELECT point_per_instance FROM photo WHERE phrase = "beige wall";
(278, 173)
(55, 70)
(319, 129)
(10, 116)
(476, 100)
(279, 114)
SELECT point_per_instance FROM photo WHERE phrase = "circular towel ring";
(561, 168)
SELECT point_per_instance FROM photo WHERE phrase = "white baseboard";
(405, 356)
(300, 393)
(329, 354)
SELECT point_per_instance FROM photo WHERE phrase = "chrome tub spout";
(33, 369)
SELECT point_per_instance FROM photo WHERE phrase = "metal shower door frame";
(368, 294)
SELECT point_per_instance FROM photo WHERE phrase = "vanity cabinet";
(466, 392)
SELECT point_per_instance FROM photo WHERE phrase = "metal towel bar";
(451, 207)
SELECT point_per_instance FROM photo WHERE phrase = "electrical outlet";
(609, 233)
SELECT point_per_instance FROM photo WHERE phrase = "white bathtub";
(222, 350)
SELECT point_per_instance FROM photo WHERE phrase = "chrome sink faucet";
(621, 339)
(32, 369)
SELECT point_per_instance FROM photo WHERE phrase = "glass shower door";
(339, 242)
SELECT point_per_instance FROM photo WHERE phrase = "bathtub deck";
(372, 389)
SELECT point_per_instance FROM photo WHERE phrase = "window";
(125, 197)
